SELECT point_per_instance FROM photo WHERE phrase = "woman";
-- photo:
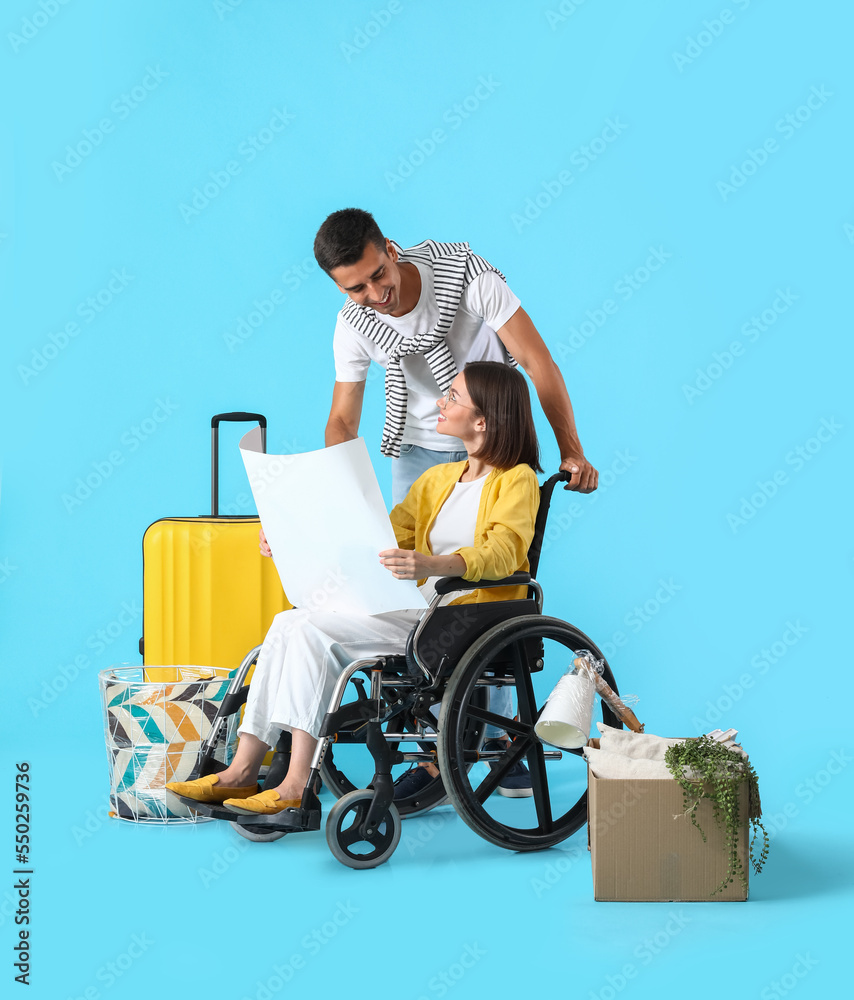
(473, 519)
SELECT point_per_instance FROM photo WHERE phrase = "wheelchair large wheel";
(530, 654)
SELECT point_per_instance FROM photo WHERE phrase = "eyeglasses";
(452, 399)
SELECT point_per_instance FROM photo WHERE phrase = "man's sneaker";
(411, 782)
(516, 783)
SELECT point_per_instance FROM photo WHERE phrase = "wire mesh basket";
(154, 731)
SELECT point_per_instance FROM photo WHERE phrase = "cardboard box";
(644, 848)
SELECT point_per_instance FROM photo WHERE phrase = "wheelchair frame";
(504, 647)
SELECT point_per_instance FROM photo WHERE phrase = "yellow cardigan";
(503, 530)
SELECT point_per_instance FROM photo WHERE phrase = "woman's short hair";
(343, 236)
(500, 394)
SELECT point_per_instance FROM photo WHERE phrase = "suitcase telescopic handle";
(237, 417)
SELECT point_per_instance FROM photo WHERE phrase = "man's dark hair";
(342, 238)
(500, 394)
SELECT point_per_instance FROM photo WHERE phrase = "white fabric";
(728, 740)
(454, 527)
(639, 746)
(485, 306)
(303, 655)
(605, 764)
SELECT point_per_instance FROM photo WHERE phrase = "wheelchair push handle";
(449, 584)
(238, 416)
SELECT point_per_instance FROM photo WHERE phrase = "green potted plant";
(706, 769)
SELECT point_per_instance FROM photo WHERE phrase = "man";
(422, 314)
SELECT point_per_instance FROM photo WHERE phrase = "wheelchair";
(437, 698)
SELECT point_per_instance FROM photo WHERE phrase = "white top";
(485, 306)
(453, 528)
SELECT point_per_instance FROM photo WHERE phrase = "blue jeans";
(404, 471)
(412, 462)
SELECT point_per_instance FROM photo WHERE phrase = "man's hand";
(585, 478)
(262, 544)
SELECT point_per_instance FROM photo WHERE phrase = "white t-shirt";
(453, 528)
(485, 306)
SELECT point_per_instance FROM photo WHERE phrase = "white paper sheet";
(326, 523)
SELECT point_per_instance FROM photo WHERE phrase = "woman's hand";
(407, 564)
(262, 544)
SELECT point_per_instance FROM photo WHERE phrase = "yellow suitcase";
(209, 595)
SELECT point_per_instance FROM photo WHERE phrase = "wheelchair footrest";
(212, 809)
(296, 820)
(293, 820)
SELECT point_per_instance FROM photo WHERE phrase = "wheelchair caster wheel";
(258, 836)
(352, 847)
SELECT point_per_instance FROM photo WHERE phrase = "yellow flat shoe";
(206, 789)
(263, 804)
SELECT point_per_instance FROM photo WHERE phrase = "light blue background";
(362, 103)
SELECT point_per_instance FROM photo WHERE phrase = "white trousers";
(302, 657)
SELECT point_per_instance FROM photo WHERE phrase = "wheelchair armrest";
(449, 584)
